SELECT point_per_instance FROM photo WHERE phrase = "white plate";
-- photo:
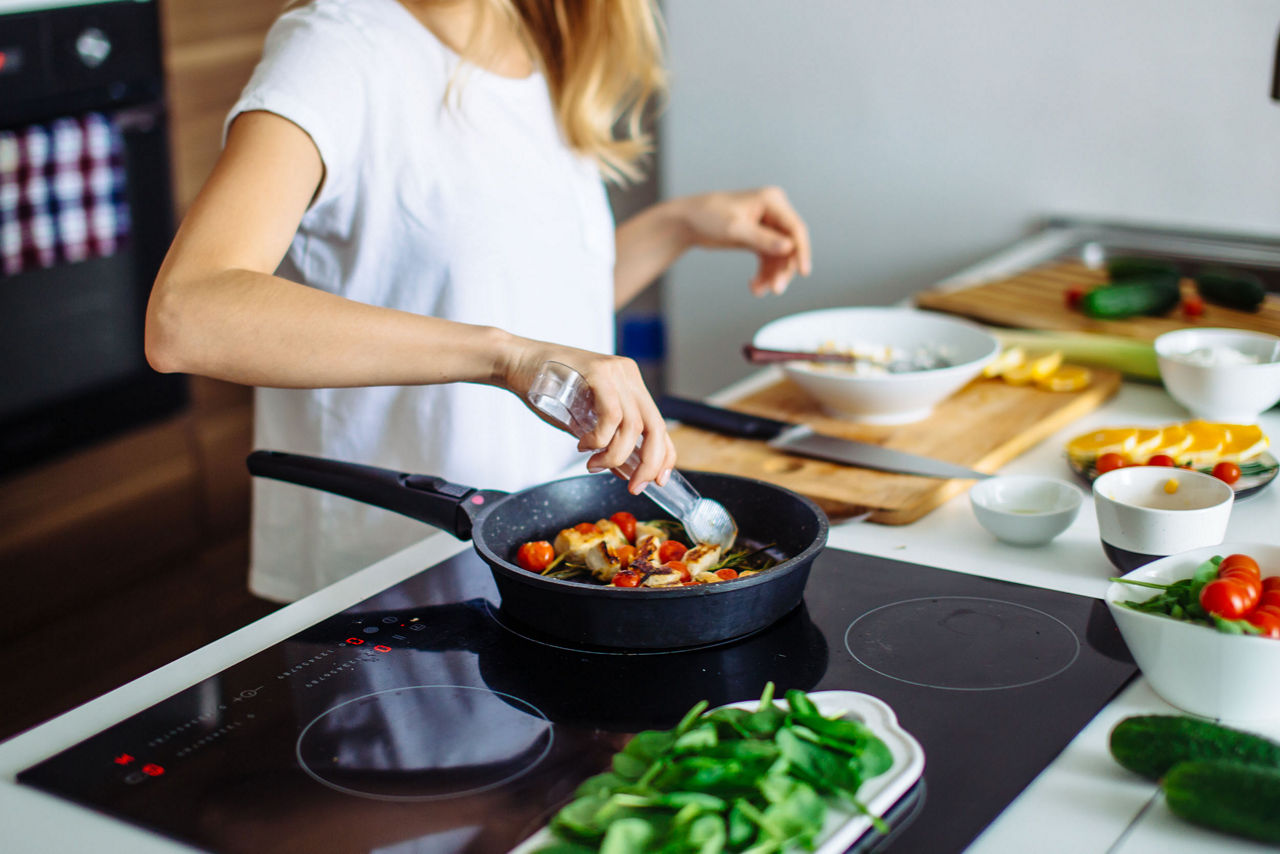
(841, 829)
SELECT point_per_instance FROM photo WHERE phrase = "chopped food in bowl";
(1203, 624)
(906, 361)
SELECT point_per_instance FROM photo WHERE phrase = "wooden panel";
(1036, 299)
(983, 426)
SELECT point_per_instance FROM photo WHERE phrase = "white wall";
(917, 136)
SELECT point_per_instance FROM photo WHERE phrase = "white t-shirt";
(474, 211)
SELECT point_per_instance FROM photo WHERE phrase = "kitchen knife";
(801, 440)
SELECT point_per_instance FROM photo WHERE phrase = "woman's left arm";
(760, 221)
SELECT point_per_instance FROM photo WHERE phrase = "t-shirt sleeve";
(309, 75)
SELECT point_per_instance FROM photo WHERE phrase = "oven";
(86, 215)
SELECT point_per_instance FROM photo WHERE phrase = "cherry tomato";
(627, 522)
(1251, 585)
(1269, 598)
(586, 528)
(628, 578)
(1268, 609)
(679, 566)
(1268, 622)
(1234, 560)
(1225, 597)
(671, 550)
(1192, 306)
(535, 556)
(1226, 472)
(1109, 462)
(1160, 460)
(728, 573)
(1271, 582)
(625, 554)
(1072, 297)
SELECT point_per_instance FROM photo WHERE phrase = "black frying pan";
(580, 612)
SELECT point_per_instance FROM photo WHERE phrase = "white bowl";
(1220, 390)
(891, 398)
(1198, 669)
(1139, 520)
(1025, 510)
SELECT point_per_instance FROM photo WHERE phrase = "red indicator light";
(3, 57)
(152, 770)
(354, 641)
(381, 648)
(123, 759)
(477, 499)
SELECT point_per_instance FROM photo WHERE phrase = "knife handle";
(727, 421)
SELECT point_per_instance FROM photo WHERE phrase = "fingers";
(626, 414)
(781, 215)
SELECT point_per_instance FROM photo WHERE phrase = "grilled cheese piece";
(612, 533)
(663, 578)
(601, 561)
(701, 557)
(576, 544)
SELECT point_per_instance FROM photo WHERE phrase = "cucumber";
(1154, 293)
(1229, 796)
(1152, 744)
(1231, 288)
(1128, 266)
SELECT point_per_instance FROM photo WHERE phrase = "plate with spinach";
(808, 772)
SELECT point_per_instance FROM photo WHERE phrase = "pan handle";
(424, 497)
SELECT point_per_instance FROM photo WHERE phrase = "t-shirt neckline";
(469, 68)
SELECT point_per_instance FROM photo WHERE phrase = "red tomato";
(1267, 621)
(1109, 462)
(727, 574)
(586, 528)
(1269, 597)
(627, 522)
(1160, 460)
(671, 550)
(1234, 560)
(1271, 582)
(1251, 585)
(1072, 297)
(1268, 608)
(628, 578)
(1226, 472)
(679, 566)
(1192, 306)
(1225, 597)
(535, 556)
(625, 555)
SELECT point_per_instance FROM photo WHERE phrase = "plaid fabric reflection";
(62, 193)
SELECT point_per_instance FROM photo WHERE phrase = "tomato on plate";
(627, 522)
(535, 556)
(671, 550)
(1266, 621)
(1160, 460)
(1109, 461)
(1269, 598)
(1226, 472)
(1226, 598)
(1234, 560)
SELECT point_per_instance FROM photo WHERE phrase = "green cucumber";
(1231, 288)
(1128, 266)
(1154, 293)
(1229, 796)
(1152, 744)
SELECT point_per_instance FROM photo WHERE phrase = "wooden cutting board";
(1036, 299)
(983, 426)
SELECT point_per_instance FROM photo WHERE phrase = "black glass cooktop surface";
(422, 721)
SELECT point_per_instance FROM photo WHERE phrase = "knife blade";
(802, 440)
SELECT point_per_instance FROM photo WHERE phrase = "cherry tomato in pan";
(627, 578)
(728, 573)
(627, 522)
(1109, 462)
(679, 566)
(1160, 460)
(1233, 560)
(1226, 598)
(625, 554)
(671, 550)
(1226, 472)
(586, 528)
(535, 556)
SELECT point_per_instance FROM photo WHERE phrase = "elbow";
(161, 339)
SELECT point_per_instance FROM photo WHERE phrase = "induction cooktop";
(421, 720)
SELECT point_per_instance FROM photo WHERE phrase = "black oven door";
(72, 366)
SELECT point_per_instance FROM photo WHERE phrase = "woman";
(407, 220)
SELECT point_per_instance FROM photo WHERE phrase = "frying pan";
(578, 612)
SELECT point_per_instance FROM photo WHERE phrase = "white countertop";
(1083, 802)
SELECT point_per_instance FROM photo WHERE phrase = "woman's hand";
(762, 221)
(625, 412)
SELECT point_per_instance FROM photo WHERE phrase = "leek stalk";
(1131, 357)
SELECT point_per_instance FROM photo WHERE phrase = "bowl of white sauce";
(1229, 375)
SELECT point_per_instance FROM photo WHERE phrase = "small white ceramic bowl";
(1140, 519)
(891, 398)
(1198, 669)
(1202, 370)
(1025, 510)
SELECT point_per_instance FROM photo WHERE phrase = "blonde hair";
(603, 65)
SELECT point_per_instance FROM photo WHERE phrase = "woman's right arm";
(218, 310)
